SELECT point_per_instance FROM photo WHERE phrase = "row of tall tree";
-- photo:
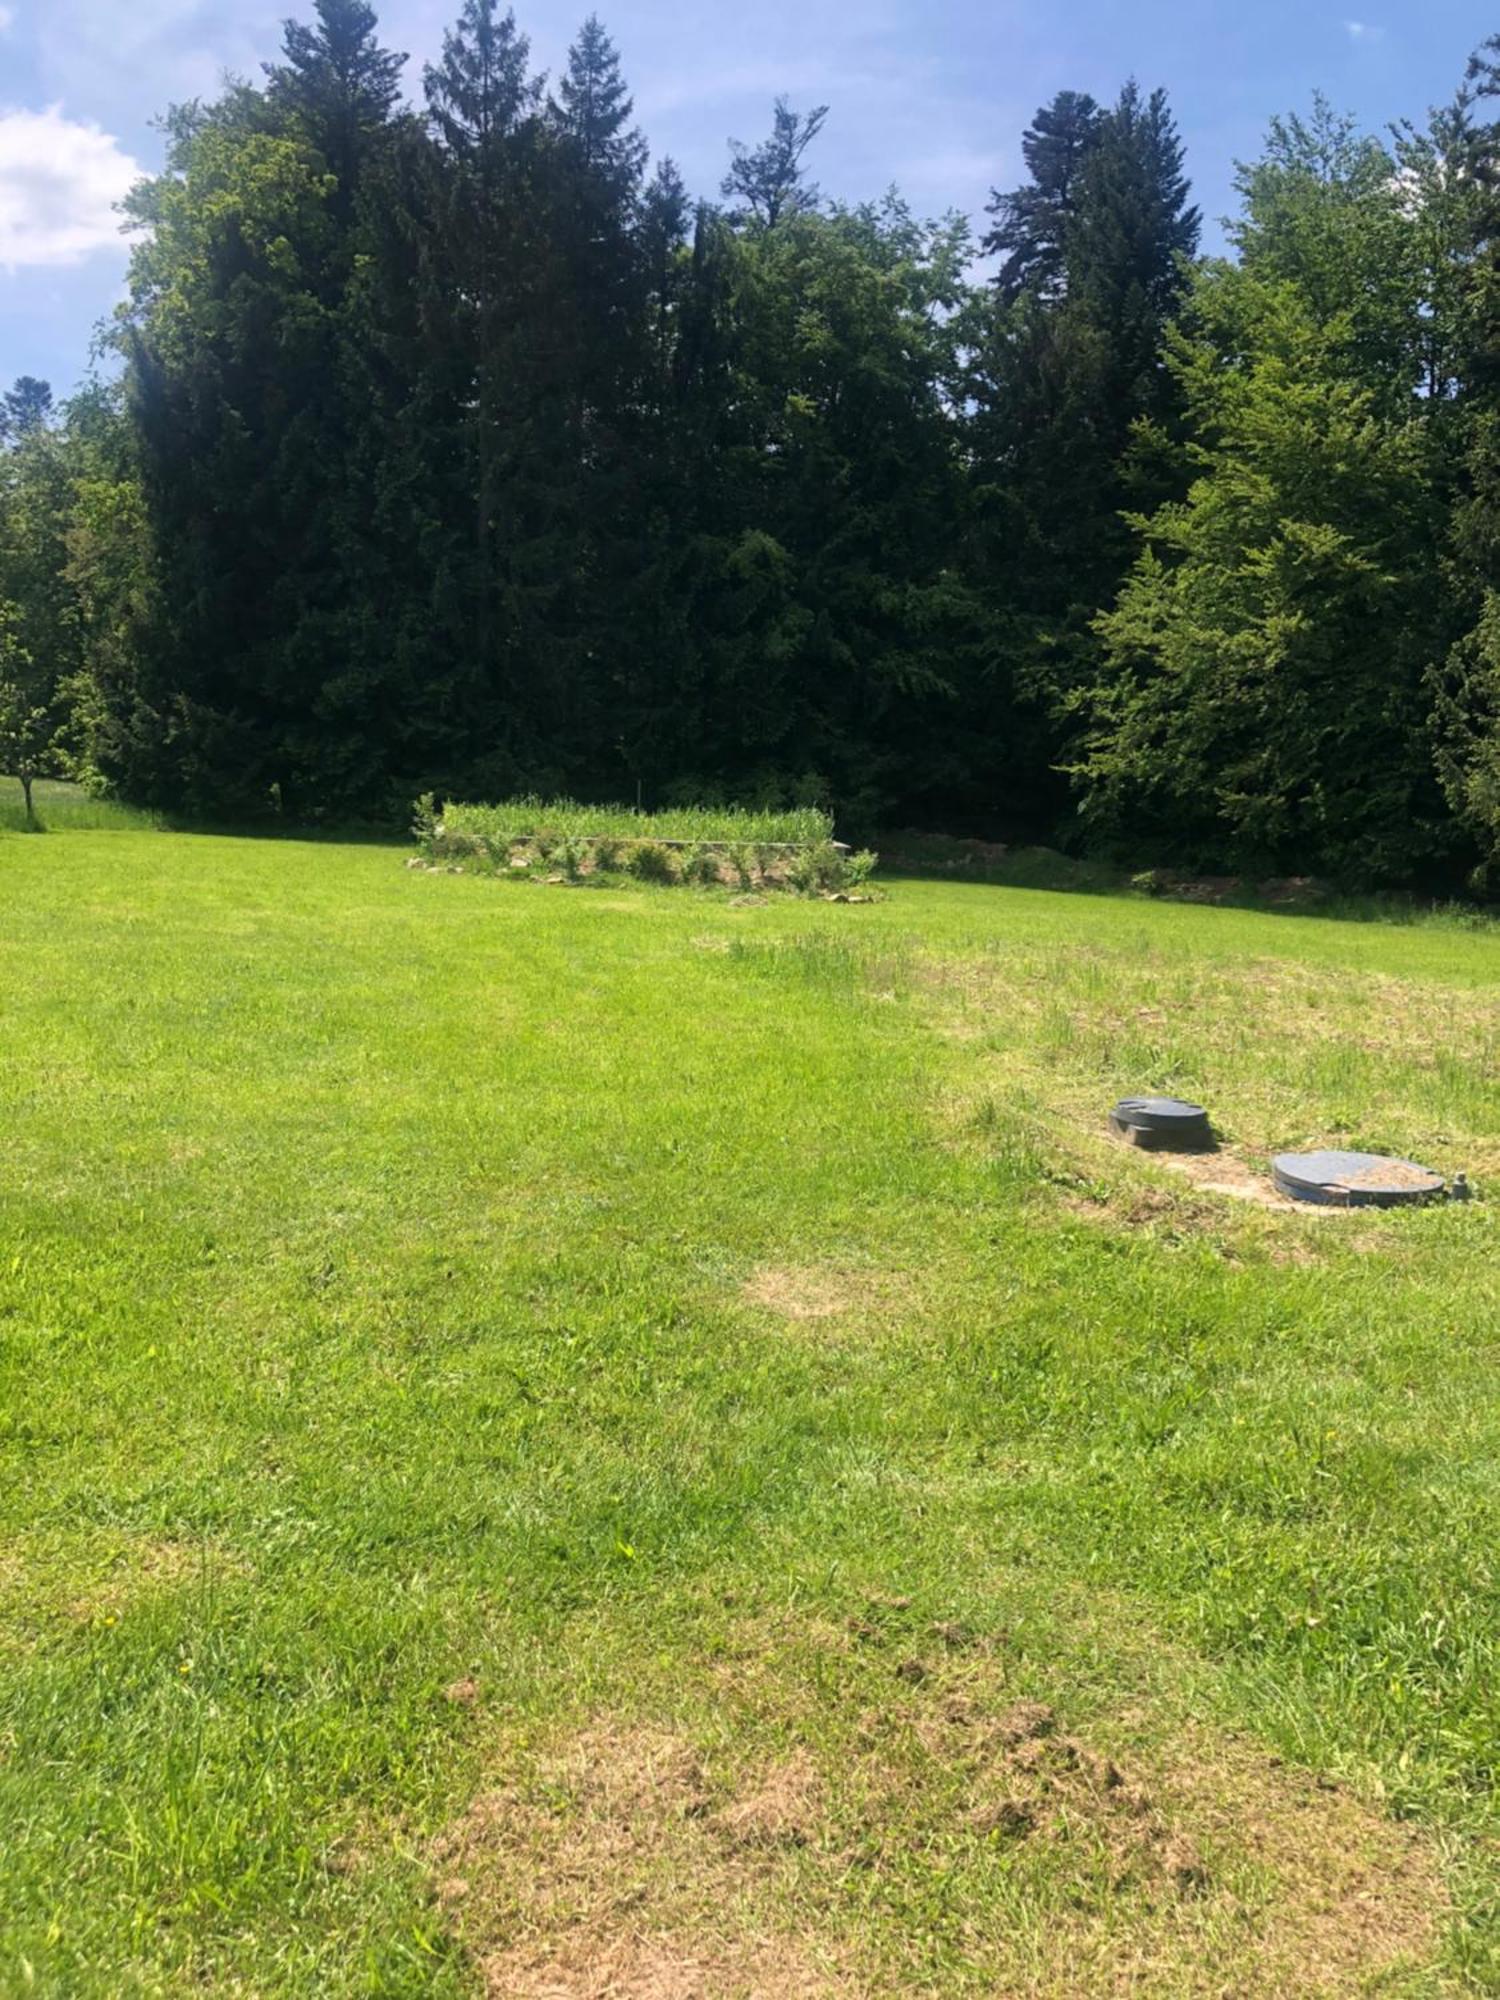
(458, 449)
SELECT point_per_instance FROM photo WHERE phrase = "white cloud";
(127, 59)
(1363, 31)
(59, 182)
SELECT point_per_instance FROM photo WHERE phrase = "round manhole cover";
(1161, 1121)
(1354, 1180)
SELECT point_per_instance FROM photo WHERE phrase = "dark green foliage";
(24, 408)
(42, 626)
(1033, 221)
(1262, 702)
(340, 84)
(480, 91)
(462, 451)
(1263, 698)
(27, 715)
(766, 182)
(592, 111)
(1063, 371)
(1465, 167)
(1467, 720)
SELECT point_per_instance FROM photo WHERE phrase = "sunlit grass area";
(567, 819)
(557, 1441)
(60, 807)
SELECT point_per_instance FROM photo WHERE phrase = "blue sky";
(930, 94)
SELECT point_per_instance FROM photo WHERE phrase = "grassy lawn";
(587, 1442)
(60, 807)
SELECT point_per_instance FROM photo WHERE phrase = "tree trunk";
(26, 795)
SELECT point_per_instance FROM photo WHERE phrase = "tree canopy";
(458, 447)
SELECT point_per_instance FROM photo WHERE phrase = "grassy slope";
(62, 807)
(386, 1423)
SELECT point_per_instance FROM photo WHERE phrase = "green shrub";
(700, 864)
(424, 821)
(827, 870)
(651, 862)
(817, 869)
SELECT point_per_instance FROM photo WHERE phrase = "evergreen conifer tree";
(335, 77)
(1032, 221)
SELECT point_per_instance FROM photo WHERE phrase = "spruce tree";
(592, 112)
(484, 373)
(337, 79)
(481, 89)
(1065, 370)
(665, 213)
(1127, 246)
(25, 407)
(1033, 220)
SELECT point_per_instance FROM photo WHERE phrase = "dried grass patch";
(810, 1292)
(658, 1969)
(611, 1869)
(784, 1810)
(799, 1833)
(807, 1293)
(99, 1574)
(1276, 1049)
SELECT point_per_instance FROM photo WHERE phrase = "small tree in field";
(28, 720)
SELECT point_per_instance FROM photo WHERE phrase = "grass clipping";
(950, 1836)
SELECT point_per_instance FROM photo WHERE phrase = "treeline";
(457, 448)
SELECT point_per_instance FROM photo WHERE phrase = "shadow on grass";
(330, 833)
(982, 864)
(61, 807)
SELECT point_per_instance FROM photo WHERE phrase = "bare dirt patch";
(1212, 1172)
(1221, 1173)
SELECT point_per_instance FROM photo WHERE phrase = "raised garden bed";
(562, 841)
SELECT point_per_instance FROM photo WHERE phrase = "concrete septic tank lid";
(1354, 1180)
(1162, 1121)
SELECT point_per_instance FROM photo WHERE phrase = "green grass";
(566, 819)
(65, 808)
(549, 1432)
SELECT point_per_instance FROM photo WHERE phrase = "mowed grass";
(575, 1442)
